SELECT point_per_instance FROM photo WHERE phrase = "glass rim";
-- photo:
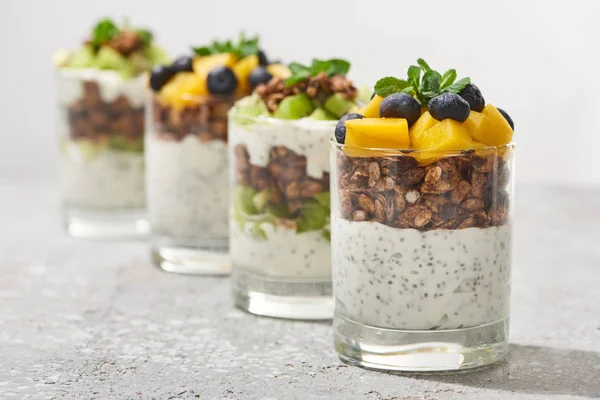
(408, 152)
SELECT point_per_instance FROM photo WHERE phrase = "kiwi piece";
(294, 107)
(338, 105)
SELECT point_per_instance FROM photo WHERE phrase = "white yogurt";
(284, 253)
(408, 279)
(104, 179)
(187, 187)
(306, 137)
(111, 85)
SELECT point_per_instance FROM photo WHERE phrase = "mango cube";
(489, 127)
(242, 71)
(202, 65)
(424, 122)
(378, 133)
(371, 109)
(446, 135)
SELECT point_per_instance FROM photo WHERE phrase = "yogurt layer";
(106, 180)
(408, 279)
(306, 137)
(111, 84)
(284, 253)
(187, 187)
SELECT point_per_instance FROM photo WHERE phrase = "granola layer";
(207, 119)
(464, 191)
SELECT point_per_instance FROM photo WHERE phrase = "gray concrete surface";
(94, 320)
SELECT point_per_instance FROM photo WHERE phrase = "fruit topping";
(508, 118)
(371, 110)
(242, 70)
(338, 105)
(425, 122)
(493, 129)
(378, 133)
(323, 83)
(262, 58)
(159, 77)
(340, 128)
(279, 70)
(473, 96)
(320, 114)
(400, 105)
(118, 48)
(182, 63)
(446, 135)
(294, 107)
(259, 75)
(221, 80)
(449, 105)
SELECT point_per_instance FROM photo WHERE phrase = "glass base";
(283, 297)
(109, 224)
(191, 257)
(419, 351)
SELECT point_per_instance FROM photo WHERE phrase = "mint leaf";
(297, 78)
(313, 217)
(389, 85)
(146, 36)
(319, 66)
(338, 67)
(431, 82)
(410, 90)
(414, 75)
(202, 51)
(448, 78)
(424, 66)
(296, 68)
(457, 86)
(248, 47)
(104, 31)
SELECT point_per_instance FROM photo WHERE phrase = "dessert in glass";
(421, 226)
(101, 97)
(279, 163)
(186, 157)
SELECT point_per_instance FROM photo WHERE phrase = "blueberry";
(221, 80)
(262, 58)
(182, 64)
(159, 76)
(473, 96)
(259, 75)
(508, 118)
(340, 128)
(400, 105)
(449, 105)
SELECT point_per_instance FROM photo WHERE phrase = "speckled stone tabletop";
(95, 320)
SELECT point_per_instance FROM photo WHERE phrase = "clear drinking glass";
(421, 256)
(101, 130)
(279, 224)
(188, 185)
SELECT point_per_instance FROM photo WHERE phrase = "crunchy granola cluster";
(207, 119)
(452, 193)
(91, 117)
(317, 87)
(125, 42)
(285, 176)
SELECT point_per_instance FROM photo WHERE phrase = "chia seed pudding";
(187, 156)
(421, 226)
(101, 96)
(280, 205)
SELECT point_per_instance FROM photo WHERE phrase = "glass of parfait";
(421, 229)
(279, 166)
(101, 98)
(186, 158)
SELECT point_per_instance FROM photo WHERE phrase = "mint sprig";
(334, 66)
(242, 48)
(423, 83)
(103, 31)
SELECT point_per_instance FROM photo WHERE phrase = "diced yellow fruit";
(424, 122)
(378, 133)
(202, 65)
(279, 70)
(491, 128)
(478, 145)
(371, 109)
(183, 90)
(446, 135)
(242, 72)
